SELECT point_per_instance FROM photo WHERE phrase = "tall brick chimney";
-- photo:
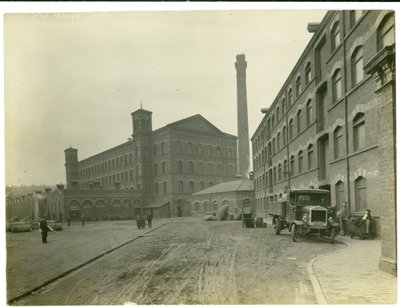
(242, 118)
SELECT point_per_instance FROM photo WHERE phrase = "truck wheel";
(332, 236)
(278, 226)
(295, 233)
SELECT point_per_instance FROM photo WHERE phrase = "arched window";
(338, 142)
(279, 172)
(191, 187)
(199, 149)
(180, 167)
(355, 15)
(385, 33)
(335, 36)
(284, 136)
(359, 140)
(178, 146)
(291, 165)
(230, 153)
(190, 148)
(299, 120)
(163, 148)
(310, 156)
(201, 168)
(218, 152)
(165, 187)
(298, 86)
(277, 114)
(309, 112)
(336, 85)
(339, 189)
(191, 168)
(283, 106)
(308, 72)
(273, 146)
(360, 186)
(300, 161)
(278, 141)
(155, 169)
(156, 188)
(163, 168)
(291, 129)
(273, 120)
(290, 97)
(285, 169)
(357, 63)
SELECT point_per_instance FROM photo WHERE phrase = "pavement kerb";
(319, 293)
(28, 292)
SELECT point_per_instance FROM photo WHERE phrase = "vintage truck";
(305, 212)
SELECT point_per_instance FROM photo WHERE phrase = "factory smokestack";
(243, 125)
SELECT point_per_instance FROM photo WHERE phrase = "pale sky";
(74, 79)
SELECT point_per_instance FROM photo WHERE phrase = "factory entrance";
(74, 211)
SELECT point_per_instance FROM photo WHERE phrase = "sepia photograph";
(192, 154)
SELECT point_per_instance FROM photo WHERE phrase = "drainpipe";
(346, 113)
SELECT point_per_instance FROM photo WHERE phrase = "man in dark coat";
(149, 219)
(43, 227)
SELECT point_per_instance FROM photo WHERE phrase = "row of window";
(278, 141)
(385, 37)
(128, 159)
(197, 149)
(189, 168)
(276, 174)
(191, 187)
(359, 142)
(281, 172)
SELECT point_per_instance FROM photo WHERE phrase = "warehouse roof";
(230, 186)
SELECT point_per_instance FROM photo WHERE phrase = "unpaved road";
(190, 261)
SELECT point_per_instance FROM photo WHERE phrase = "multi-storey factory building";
(332, 124)
(153, 172)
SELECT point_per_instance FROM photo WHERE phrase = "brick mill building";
(332, 124)
(153, 172)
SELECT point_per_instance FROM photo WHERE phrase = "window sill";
(362, 151)
(337, 160)
(334, 52)
(355, 87)
(335, 104)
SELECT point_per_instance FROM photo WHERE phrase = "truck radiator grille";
(318, 216)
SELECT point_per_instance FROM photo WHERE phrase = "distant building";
(155, 171)
(230, 193)
(332, 124)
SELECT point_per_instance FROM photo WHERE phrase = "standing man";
(83, 220)
(368, 222)
(43, 227)
(149, 219)
(343, 215)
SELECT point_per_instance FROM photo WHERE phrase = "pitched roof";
(230, 186)
(190, 119)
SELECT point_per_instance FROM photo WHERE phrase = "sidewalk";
(74, 246)
(352, 276)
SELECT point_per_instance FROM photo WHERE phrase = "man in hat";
(43, 227)
(343, 215)
(368, 222)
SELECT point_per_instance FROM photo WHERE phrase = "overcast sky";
(74, 79)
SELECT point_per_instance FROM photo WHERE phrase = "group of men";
(343, 214)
